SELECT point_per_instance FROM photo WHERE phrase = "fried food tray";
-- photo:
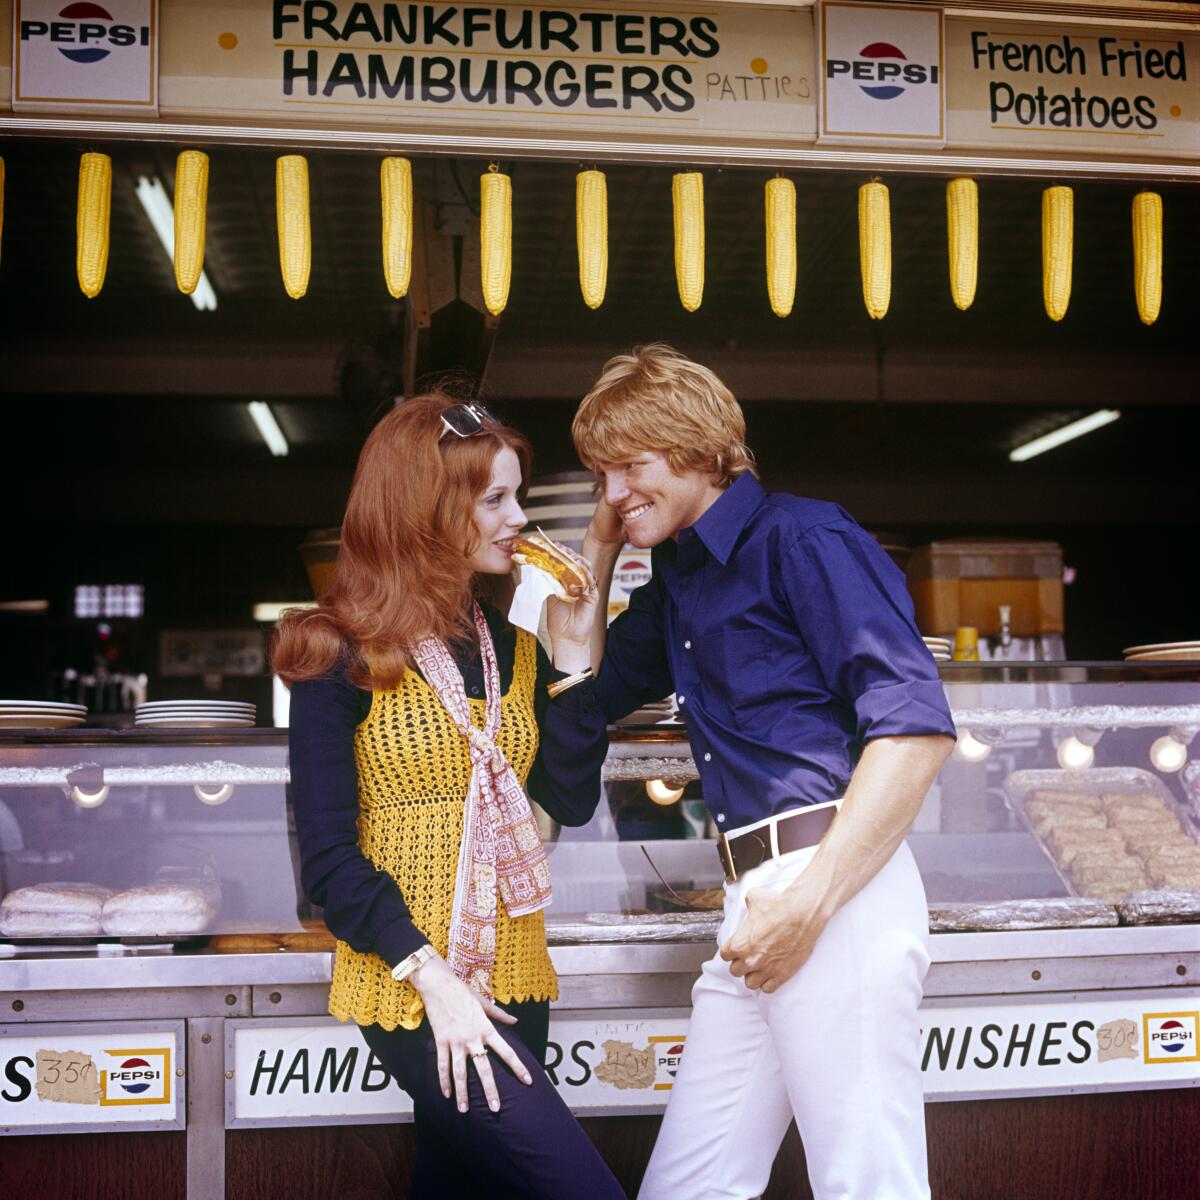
(1097, 781)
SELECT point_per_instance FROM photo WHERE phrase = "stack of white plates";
(40, 714)
(939, 647)
(1163, 652)
(198, 714)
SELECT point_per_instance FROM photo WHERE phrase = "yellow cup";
(966, 644)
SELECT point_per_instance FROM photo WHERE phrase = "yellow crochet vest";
(413, 774)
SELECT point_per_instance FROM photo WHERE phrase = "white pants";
(837, 1047)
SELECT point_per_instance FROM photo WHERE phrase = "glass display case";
(140, 836)
(1069, 800)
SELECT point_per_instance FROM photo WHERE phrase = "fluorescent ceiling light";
(1056, 437)
(264, 418)
(158, 208)
(270, 610)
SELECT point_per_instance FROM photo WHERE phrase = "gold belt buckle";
(726, 856)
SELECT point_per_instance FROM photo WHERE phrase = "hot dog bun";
(537, 550)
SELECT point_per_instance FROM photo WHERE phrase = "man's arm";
(883, 798)
(602, 547)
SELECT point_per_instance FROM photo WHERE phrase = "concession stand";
(1061, 1045)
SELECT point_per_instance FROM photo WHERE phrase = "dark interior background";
(130, 456)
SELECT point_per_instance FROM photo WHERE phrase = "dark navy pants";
(532, 1149)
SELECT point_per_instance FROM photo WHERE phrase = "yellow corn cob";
(875, 247)
(495, 238)
(291, 217)
(191, 200)
(687, 195)
(1147, 255)
(781, 245)
(962, 229)
(91, 222)
(591, 235)
(396, 193)
(1058, 230)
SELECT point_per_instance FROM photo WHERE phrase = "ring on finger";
(479, 1054)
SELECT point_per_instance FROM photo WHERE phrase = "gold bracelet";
(418, 958)
(557, 689)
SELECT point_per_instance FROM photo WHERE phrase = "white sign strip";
(1061, 1046)
(289, 1072)
(59, 1077)
(294, 1071)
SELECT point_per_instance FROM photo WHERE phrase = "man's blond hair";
(656, 399)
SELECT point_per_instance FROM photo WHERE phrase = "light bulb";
(970, 749)
(658, 791)
(1167, 754)
(1074, 755)
(213, 798)
(89, 799)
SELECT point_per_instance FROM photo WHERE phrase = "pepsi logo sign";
(84, 33)
(135, 1076)
(668, 1058)
(882, 71)
(1171, 1037)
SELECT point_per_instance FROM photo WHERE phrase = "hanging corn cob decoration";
(962, 228)
(591, 235)
(1058, 232)
(875, 247)
(1147, 255)
(396, 196)
(781, 244)
(495, 238)
(687, 194)
(91, 222)
(291, 217)
(191, 200)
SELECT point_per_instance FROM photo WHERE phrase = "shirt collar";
(722, 524)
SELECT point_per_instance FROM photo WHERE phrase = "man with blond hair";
(817, 722)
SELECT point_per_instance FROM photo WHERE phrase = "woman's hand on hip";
(461, 1022)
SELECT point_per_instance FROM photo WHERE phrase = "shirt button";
(707, 757)
(474, 691)
(682, 700)
(721, 817)
(687, 645)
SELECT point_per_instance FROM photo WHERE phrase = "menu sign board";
(1072, 87)
(669, 68)
(736, 78)
(77, 57)
(73, 1078)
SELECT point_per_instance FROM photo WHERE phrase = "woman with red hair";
(419, 717)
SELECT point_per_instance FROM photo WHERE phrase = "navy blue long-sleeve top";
(364, 906)
(788, 636)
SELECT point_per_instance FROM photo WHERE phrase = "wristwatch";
(406, 966)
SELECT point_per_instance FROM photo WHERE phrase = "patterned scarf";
(501, 851)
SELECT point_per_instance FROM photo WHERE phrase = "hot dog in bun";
(570, 575)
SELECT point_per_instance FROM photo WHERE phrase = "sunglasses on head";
(464, 420)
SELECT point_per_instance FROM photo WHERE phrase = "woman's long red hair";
(402, 571)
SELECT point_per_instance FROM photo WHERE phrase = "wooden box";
(964, 581)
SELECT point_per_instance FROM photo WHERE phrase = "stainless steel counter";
(1147, 956)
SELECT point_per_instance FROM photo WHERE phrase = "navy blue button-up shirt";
(788, 637)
